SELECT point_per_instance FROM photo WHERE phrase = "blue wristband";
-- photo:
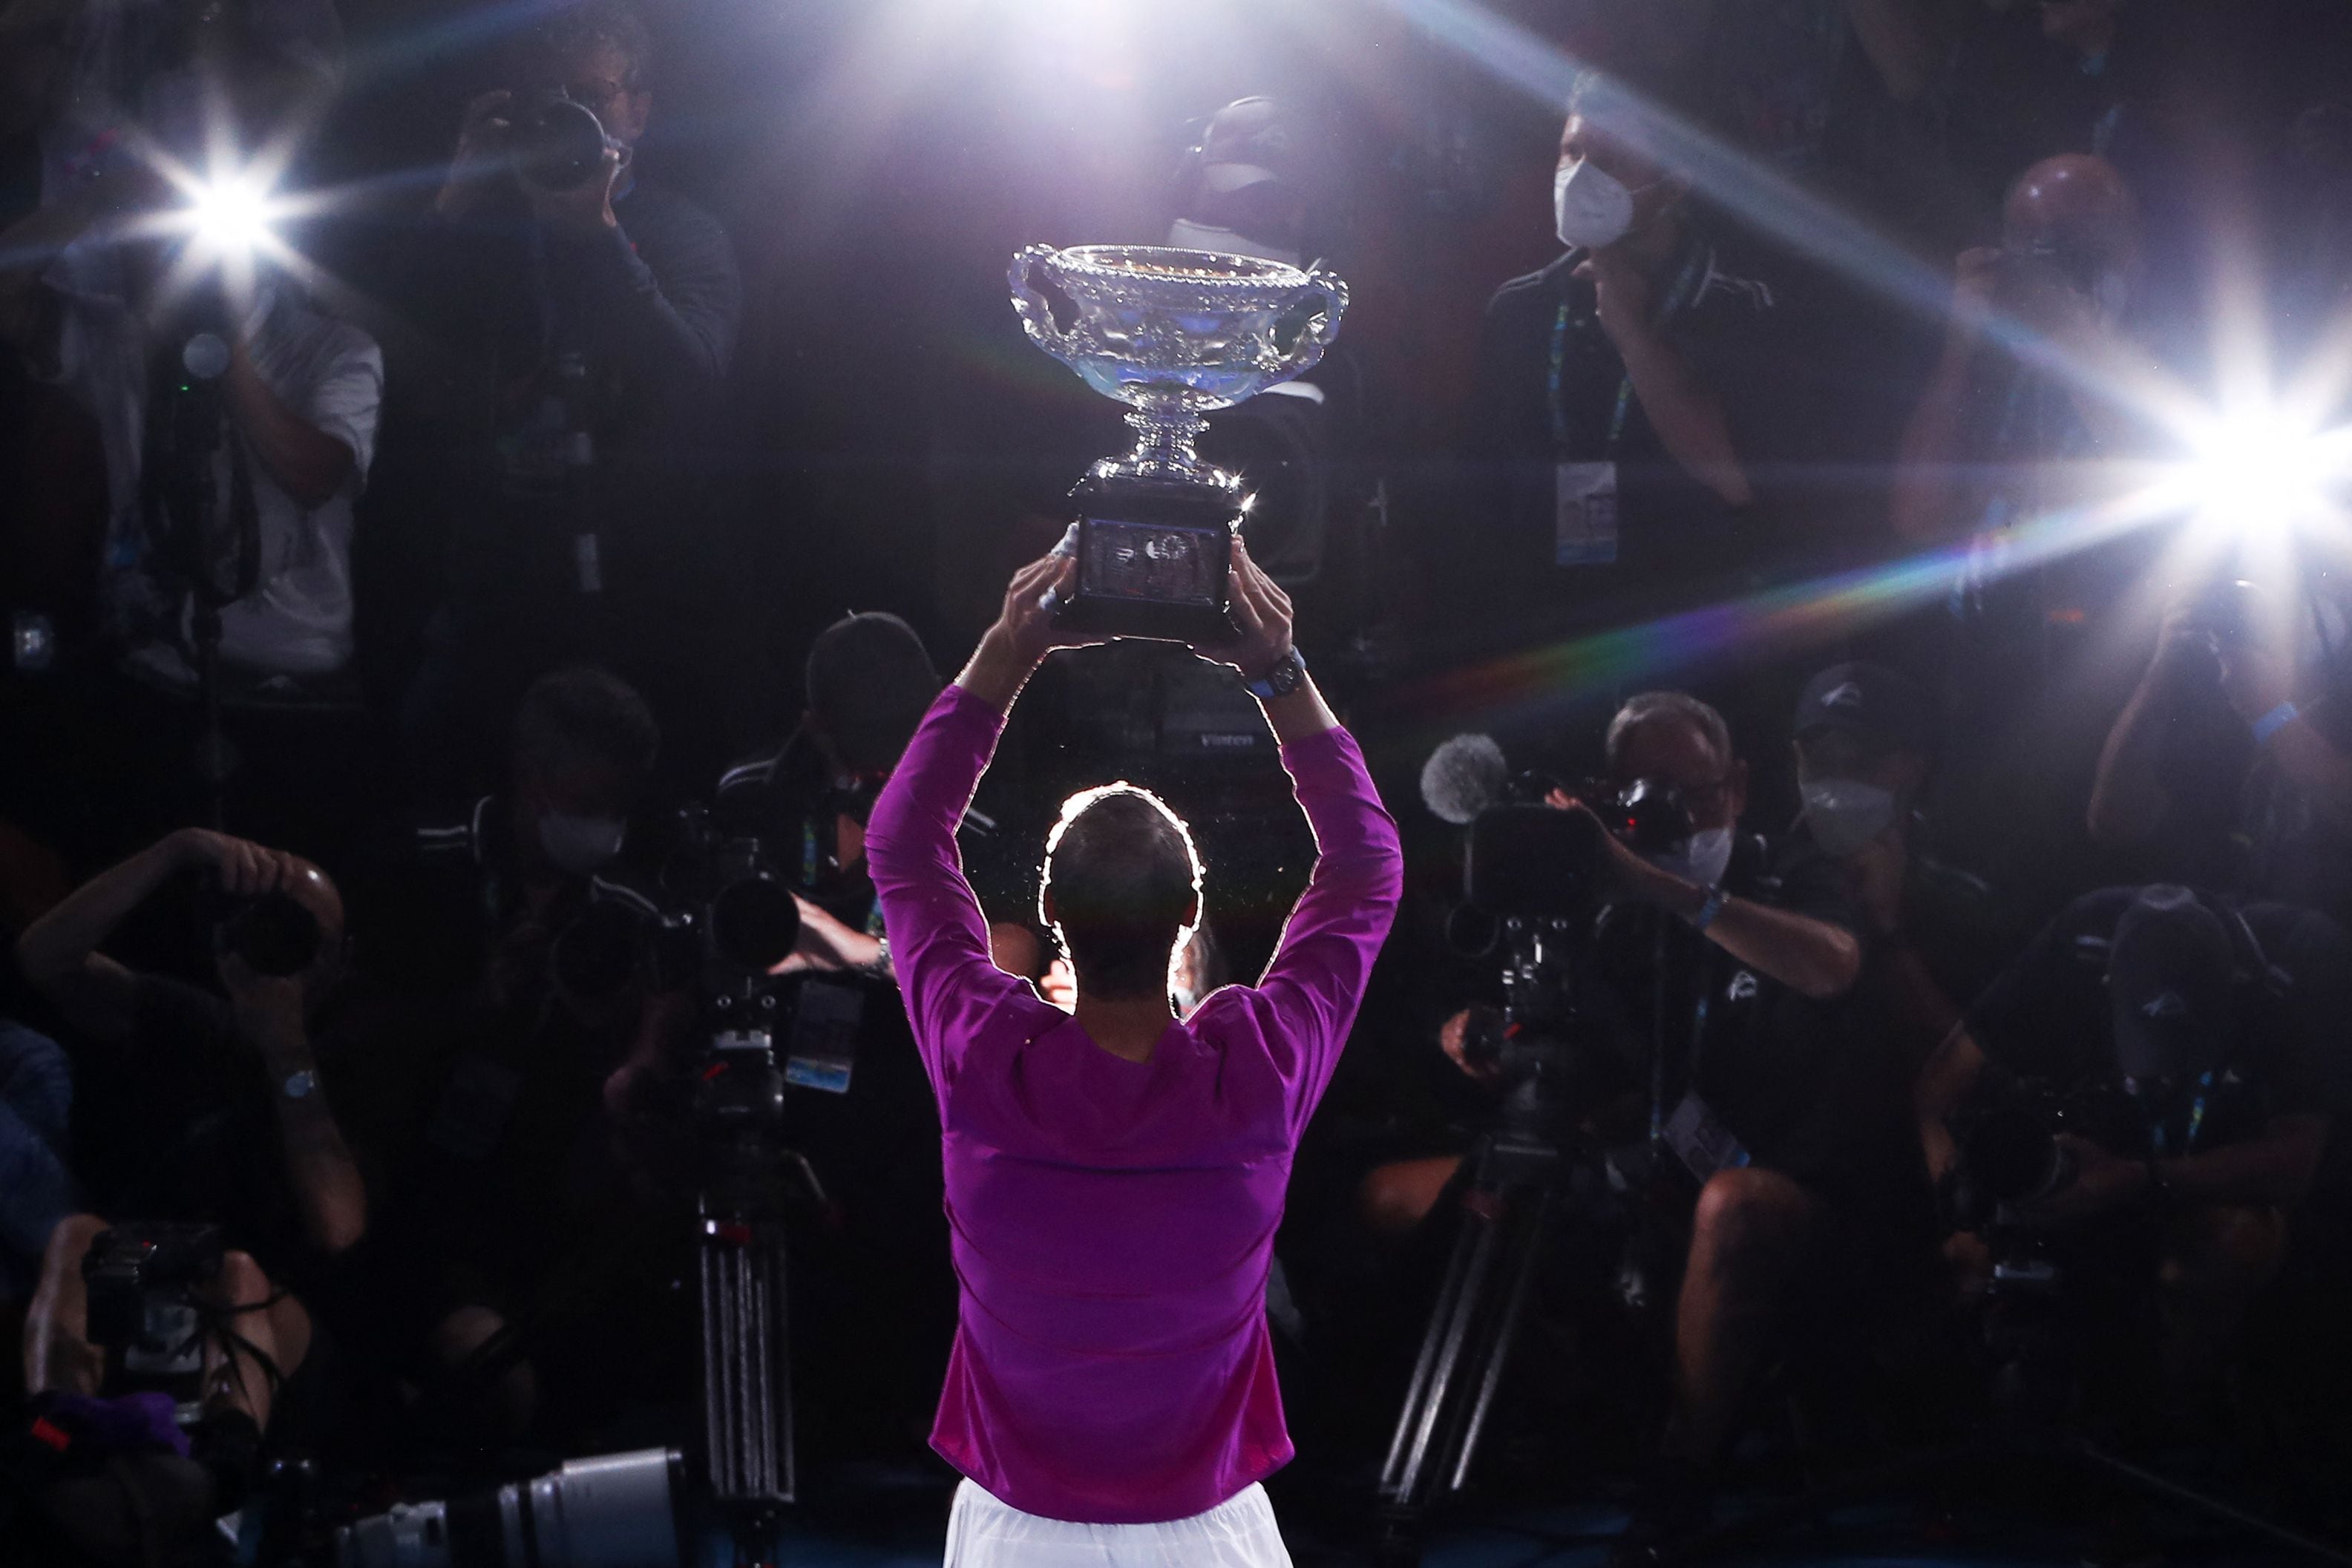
(2277, 719)
(1716, 899)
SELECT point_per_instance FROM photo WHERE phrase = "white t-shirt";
(298, 619)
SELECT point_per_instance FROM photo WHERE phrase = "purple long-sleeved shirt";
(1113, 1221)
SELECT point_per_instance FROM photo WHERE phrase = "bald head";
(2073, 202)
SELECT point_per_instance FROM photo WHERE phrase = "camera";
(555, 144)
(1534, 862)
(142, 1281)
(615, 1511)
(272, 934)
(717, 918)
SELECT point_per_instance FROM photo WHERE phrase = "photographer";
(1115, 1176)
(2200, 1042)
(1740, 969)
(2032, 411)
(1624, 397)
(230, 1122)
(299, 393)
(586, 317)
(2065, 275)
(501, 1114)
(1864, 759)
(2214, 769)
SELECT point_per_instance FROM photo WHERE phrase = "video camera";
(717, 919)
(1538, 862)
(1530, 861)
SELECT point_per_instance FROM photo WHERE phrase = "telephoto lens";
(615, 1511)
(273, 934)
(556, 144)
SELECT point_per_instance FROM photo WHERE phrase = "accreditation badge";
(1584, 514)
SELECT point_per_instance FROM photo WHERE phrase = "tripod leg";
(2164, 1490)
(1467, 1275)
(1526, 1240)
(746, 1379)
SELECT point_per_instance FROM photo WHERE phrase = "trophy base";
(1153, 559)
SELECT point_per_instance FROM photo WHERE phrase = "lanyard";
(1676, 297)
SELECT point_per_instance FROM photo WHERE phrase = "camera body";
(141, 1279)
(1531, 861)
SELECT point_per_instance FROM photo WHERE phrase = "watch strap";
(1281, 678)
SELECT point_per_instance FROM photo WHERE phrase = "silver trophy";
(1174, 334)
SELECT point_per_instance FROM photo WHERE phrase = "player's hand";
(1262, 613)
(1026, 622)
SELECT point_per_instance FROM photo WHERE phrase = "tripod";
(1518, 1174)
(1521, 1171)
(188, 426)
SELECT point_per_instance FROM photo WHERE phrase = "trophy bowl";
(1172, 334)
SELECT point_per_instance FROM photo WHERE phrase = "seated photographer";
(1115, 1175)
(869, 681)
(500, 1113)
(228, 1122)
(458, 901)
(2190, 1053)
(1777, 1120)
(1864, 759)
(2230, 766)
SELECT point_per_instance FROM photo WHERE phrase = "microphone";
(1463, 777)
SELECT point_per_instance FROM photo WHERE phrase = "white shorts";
(1239, 1533)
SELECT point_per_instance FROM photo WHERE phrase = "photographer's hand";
(59, 953)
(2103, 1183)
(481, 149)
(325, 1178)
(586, 209)
(1452, 1038)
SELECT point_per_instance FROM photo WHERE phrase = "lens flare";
(231, 217)
(2259, 472)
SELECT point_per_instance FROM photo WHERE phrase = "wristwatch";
(298, 1085)
(1282, 679)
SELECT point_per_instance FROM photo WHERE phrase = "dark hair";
(581, 717)
(1123, 876)
(593, 22)
(869, 683)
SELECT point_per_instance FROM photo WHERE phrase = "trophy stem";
(1163, 450)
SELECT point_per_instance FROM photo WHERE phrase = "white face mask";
(581, 844)
(1590, 206)
(1845, 814)
(1702, 858)
(1186, 234)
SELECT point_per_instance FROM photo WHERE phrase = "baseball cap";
(869, 683)
(1864, 699)
(2171, 968)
